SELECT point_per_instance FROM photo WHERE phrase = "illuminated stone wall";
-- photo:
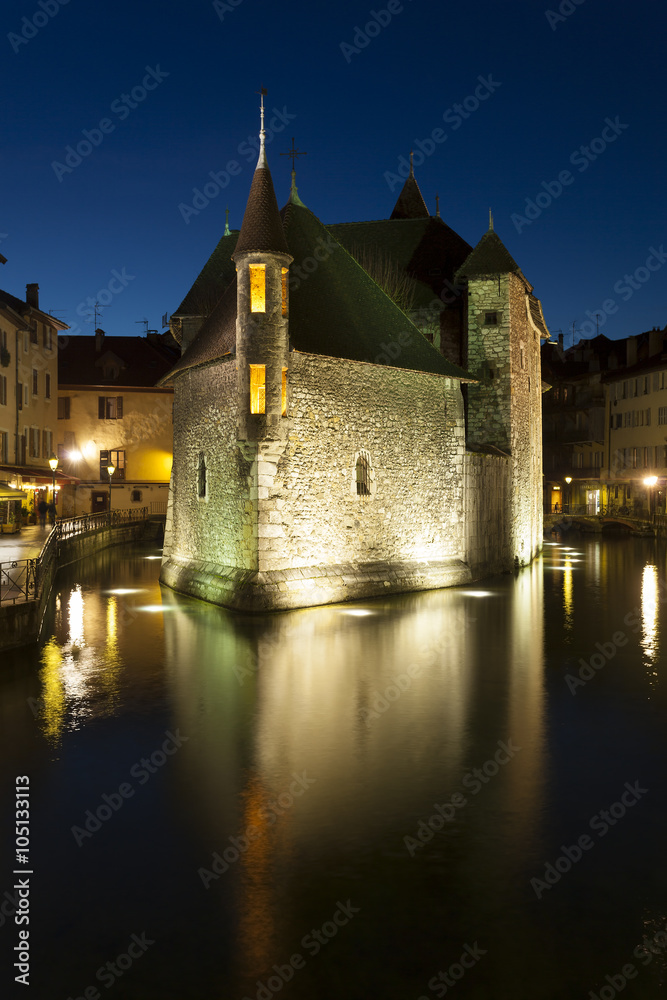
(487, 505)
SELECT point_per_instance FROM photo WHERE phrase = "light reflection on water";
(386, 706)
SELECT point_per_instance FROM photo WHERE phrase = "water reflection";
(649, 609)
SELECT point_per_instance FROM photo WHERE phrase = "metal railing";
(22, 580)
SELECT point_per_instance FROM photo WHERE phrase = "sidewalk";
(26, 544)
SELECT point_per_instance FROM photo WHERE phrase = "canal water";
(457, 792)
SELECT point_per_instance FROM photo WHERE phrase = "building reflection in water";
(377, 708)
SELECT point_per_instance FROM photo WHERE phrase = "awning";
(8, 492)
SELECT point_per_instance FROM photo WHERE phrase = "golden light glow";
(284, 282)
(257, 388)
(568, 599)
(53, 690)
(257, 289)
(649, 639)
(283, 409)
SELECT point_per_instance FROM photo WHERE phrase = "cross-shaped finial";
(294, 152)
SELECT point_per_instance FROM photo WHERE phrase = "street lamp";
(53, 462)
(110, 469)
(650, 481)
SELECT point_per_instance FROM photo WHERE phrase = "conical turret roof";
(261, 231)
(410, 204)
(490, 256)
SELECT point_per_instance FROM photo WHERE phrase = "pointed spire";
(437, 205)
(490, 221)
(227, 231)
(261, 162)
(293, 192)
(261, 230)
(410, 204)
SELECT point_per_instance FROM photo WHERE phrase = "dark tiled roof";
(410, 204)
(490, 256)
(140, 363)
(261, 229)
(215, 276)
(18, 305)
(336, 311)
(418, 246)
(538, 318)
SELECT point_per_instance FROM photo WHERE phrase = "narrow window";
(63, 407)
(283, 410)
(363, 475)
(257, 388)
(257, 288)
(47, 385)
(35, 381)
(201, 475)
(284, 280)
(135, 496)
(3, 390)
(490, 319)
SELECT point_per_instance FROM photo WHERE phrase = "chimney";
(655, 342)
(32, 295)
(631, 349)
(561, 340)
(99, 340)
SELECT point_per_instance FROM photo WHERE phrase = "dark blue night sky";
(166, 92)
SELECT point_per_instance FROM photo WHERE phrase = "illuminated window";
(257, 388)
(284, 279)
(257, 289)
(283, 410)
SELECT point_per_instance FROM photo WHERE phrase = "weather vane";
(294, 152)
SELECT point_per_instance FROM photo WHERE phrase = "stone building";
(320, 447)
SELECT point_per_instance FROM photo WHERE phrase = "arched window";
(201, 476)
(363, 474)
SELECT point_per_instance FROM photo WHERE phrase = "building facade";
(111, 413)
(320, 449)
(28, 396)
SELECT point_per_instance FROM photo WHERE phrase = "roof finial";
(437, 205)
(490, 221)
(227, 231)
(412, 169)
(261, 162)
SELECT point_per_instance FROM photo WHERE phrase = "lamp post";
(53, 462)
(110, 469)
(568, 480)
(650, 482)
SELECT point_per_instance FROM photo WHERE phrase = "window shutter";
(119, 406)
(101, 407)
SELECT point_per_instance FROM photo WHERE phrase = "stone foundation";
(281, 590)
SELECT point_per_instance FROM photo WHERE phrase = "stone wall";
(487, 503)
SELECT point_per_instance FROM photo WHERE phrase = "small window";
(135, 496)
(47, 385)
(33, 334)
(257, 388)
(201, 476)
(63, 407)
(110, 407)
(3, 390)
(35, 382)
(257, 288)
(115, 458)
(284, 289)
(363, 474)
(490, 319)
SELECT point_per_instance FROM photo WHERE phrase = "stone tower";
(505, 327)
